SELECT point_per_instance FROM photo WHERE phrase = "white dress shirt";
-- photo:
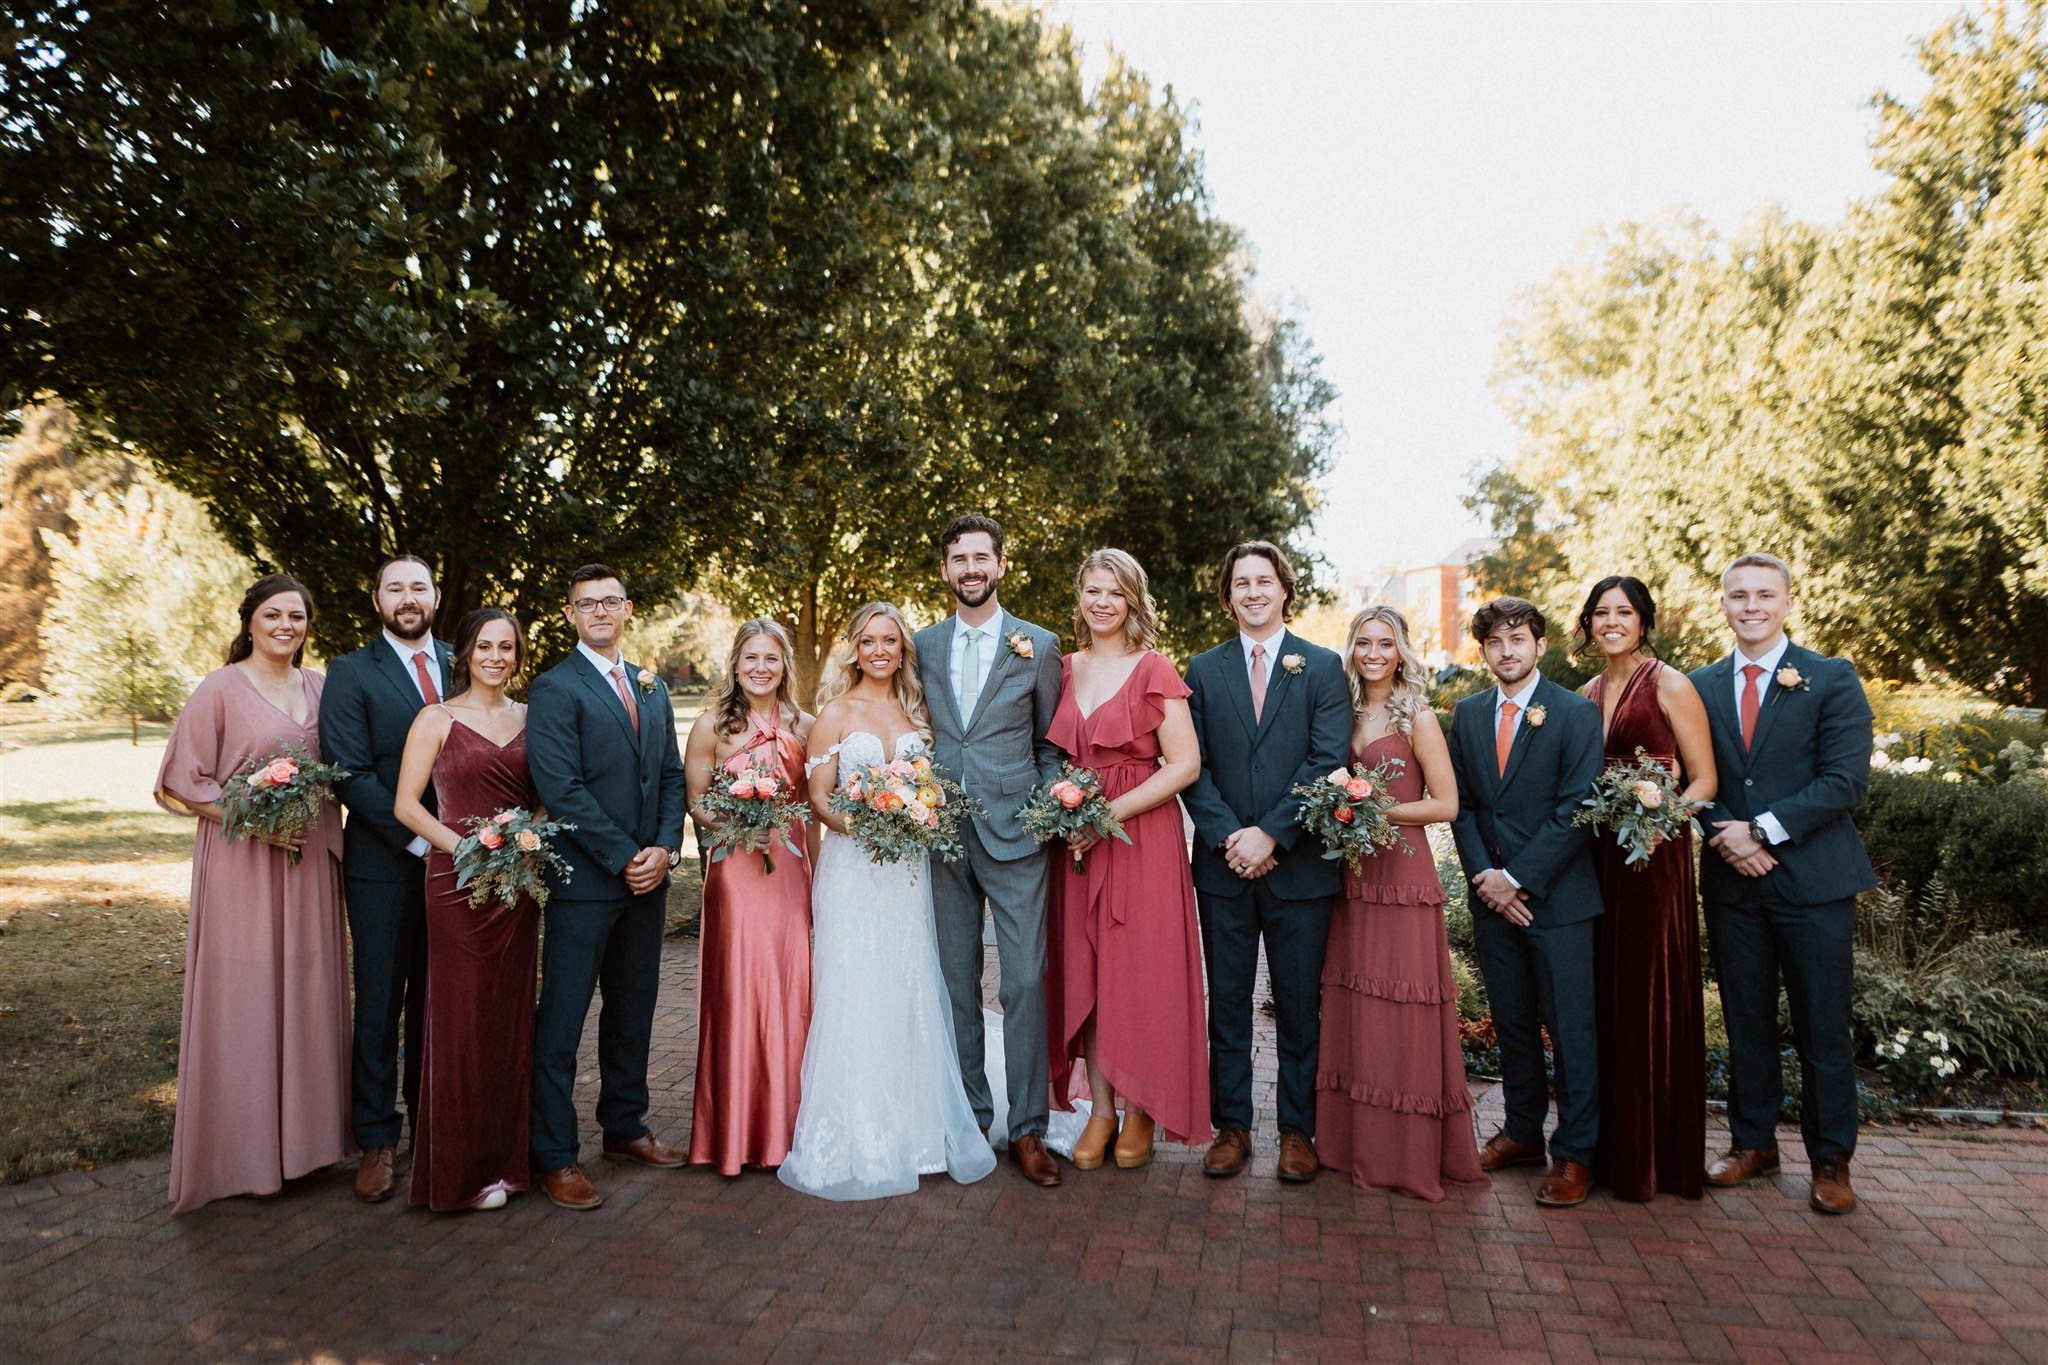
(1272, 644)
(1768, 679)
(406, 653)
(1502, 697)
(990, 641)
(602, 664)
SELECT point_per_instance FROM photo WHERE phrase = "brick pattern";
(1946, 1260)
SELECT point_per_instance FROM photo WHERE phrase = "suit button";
(1749, 782)
(1255, 767)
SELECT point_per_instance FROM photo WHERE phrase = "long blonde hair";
(844, 666)
(1141, 621)
(729, 700)
(1410, 694)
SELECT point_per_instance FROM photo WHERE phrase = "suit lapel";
(1277, 679)
(650, 725)
(998, 669)
(938, 670)
(1772, 699)
(1237, 682)
(1720, 702)
(606, 694)
(1525, 733)
(384, 659)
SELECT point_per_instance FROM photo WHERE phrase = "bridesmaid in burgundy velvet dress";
(469, 1142)
(1653, 1062)
(1392, 1106)
(1124, 958)
(754, 942)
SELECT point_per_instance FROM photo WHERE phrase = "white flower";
(1951, 777)
(1915, 765)
(646, 681)
(1880, 760)
(1292, 662)
(1887, 739)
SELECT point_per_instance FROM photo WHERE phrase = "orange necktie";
(626, 696)
(1750, 702)
(1504, 734)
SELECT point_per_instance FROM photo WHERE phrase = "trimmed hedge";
(1987, 842)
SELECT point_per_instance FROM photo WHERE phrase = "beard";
(974, 597)
(408, 633)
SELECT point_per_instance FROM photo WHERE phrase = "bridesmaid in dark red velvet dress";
(1653, 1061)
(1392, 1106)
(754, 941)
(1124, 956)
(469, 1143)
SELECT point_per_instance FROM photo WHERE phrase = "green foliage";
(1987, 844)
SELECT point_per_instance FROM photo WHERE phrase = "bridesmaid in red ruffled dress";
(476, 1065)
(1392, 1106)
(1653, 1061)
(1124, 979)
(754, 942)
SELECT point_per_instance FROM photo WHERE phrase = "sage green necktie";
(970, 674)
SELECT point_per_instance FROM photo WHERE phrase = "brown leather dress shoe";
(1031, 1158)
(374, 1178)
(569, 1189)
(1298, 1164)
(646, 1150)
(1831, 1192)
(1567, 1185)
(1228, 1153)
(1502, 1151)
(1742, 1165)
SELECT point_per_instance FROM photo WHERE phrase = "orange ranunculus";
(1343, 815)
(490, 838)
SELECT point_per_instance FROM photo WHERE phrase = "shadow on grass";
(37, 832)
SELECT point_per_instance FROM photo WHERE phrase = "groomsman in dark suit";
(1271, 710)
(1780, 876)
(1526, 753)
(601, 745)
(371, 698)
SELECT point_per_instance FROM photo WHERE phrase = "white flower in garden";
(1951, 777)
(1880, 760)
(1915, 765)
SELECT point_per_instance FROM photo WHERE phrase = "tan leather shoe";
(569, 1189)
(1502, 1151)
(1091, 1149)
(1228, 1153)
(1298, 1164)
(1741, 1165)
(646, 1150)
(374, 1178)
(1134, 1144)
(1035, 1163)
(1567, 1185)
(1831, 1192)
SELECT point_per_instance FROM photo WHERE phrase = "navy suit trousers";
(608, 946)
(1536, 979)
(1296, 933)
(387, 928)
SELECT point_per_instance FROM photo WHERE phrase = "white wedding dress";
(882, 1099)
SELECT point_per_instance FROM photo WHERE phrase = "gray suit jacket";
(999, 753)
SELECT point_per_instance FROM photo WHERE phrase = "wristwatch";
(675, 859)
(1759, 833)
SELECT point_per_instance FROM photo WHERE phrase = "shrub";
(1987, 843)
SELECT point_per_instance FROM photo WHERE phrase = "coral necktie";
(427, 688)
(1750, 702)
(626, 696)
(1504, 734)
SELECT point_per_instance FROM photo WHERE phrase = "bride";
(882, 1099)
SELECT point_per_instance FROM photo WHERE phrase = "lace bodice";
(860, 749)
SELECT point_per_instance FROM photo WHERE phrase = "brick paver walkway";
(1947, 1260)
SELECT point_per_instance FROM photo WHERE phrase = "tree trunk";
(460, 596)
(809, 661)
(134, 730)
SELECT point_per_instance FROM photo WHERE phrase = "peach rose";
(1070, 795)
(766, 786)
(1358, 789)
(1343, 815)
(528, 841)
(1339, 777)
(743, 790)
(279, 772)
(1649, 795)
(490, 838)
(505, 817)
(930, 816)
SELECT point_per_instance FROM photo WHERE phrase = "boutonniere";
(646, 681)
(1019, 643)
(1536, 715)
(1291, 663)
(1790, 678)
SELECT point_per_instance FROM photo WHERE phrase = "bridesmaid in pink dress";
(263, 1053)
(1124, 985)
(1391, 1101)
(469, 1146)
(754, 941)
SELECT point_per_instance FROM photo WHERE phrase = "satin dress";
(1653, 1061)
(753, 991)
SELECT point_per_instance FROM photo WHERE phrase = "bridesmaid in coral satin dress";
(469, 1144)
(1392, 1106)
(1653, 1064)
(1124, 978)
(754, 941)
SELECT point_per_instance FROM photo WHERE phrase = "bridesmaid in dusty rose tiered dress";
(1391, 1102)
(754, 953)
(469, 1143)
(1653, 1061)
(264, 1050)
(1124, 960)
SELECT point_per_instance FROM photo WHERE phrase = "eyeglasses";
(583, 606)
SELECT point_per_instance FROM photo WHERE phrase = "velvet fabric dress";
(477, 1045)
(263, 1049)
(1653, 1064)
(1123, 942)
(753, 992)
(1392, 1106)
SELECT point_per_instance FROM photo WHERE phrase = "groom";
(601, 745)
(991, 683)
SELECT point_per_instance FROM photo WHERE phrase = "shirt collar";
(1769, 661)
(1520, 698)
(1271, 642)
(598, 661)
(406, 651)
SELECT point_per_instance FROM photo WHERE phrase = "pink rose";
(853, 786)
(930, 815)
(743, 790)
(1343, 815)
(899, 768)
(1358, 789)
(279, 772)
(1649, 795)
(490, 838)
(765, 786)
(1339, 777)
(528, 841)
(505, 817)
(1069, 795)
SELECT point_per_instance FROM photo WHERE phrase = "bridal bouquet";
(508, 855)
(755, 808)
(1068, 804)
(1348, 811)
(904, 809)
(1640, 802)
(278, 797)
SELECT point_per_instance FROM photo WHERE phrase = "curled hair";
(967, 525)
(1282, 569)
(466, 631)
(729, 699)
(1505, 613)
(1638, 595)
(844, 666)
(1410, 694)
(1141, 620)
(261, 591)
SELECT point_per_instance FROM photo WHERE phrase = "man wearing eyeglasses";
(601, 744)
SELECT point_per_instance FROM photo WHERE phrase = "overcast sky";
(1403, 171)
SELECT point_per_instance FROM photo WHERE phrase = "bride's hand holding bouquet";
(904, 808)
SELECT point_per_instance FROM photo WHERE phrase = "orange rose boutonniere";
(1536, 715)
(1020, 644)
(1790, 678)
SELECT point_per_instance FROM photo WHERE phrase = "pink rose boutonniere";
(1790, 678)
(1020, 644)
(1536, 715)
(646, 681)
(1292, 662)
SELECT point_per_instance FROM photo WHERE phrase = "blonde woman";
(1124, 985)
(1391, 1102)
(754, 962)
(883, 1101)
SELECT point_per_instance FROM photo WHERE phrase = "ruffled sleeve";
(1065, 729)
(1143, 705)
(197, 762)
